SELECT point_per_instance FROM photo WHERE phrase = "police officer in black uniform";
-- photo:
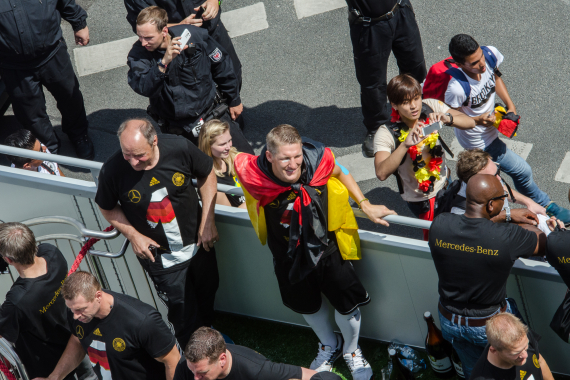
(181, 80)
(34, 55)
(376, 28)
(185, 12)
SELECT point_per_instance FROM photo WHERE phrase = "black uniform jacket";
(188, 87)
(30, 31)
(177, 11)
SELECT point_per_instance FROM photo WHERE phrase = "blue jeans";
(469, 342)
(519, 170)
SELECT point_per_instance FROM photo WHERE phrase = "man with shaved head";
(146, 192)
(473, 257)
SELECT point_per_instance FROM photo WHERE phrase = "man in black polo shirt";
(125, 338)
(207, 357)
(512, 352)
(33, 316)
(152, 180)
(473, 257)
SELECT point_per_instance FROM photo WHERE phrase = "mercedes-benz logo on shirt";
(79, 332)
(134, 196)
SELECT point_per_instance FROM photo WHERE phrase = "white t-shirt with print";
(384, 142)
(481, 101)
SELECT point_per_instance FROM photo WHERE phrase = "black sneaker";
(368, 144)
(84, 147)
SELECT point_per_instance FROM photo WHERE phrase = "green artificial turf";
(296, 345)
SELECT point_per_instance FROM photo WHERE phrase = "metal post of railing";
(7, 351)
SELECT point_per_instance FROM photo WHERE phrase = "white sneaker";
(327, 355)
(358, 365)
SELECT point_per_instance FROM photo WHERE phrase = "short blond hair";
(505, 330)
(211, 130)
(80, 283)
(154, 15)
(283, 134)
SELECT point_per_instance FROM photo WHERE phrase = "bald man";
(473, 257)
(172, 236)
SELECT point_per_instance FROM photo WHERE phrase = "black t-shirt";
(278, 220)
(530, 370)
(247, 365)
(124, 344)
(160, 203)
(373, 8)
(473, 258)
(558, 253)
(33, 316)
(228, 179)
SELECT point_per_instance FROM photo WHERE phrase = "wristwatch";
(450, 116)
(508, 211)
(162, 64)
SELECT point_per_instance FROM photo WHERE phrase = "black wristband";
(450, 120)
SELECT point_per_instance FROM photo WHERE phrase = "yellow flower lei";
(423, 174)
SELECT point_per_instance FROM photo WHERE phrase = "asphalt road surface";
(298, 69)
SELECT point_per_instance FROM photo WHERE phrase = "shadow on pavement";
(333, 126)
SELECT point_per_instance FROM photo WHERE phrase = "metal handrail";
(93, 166)
(71, 161)
(7, 351)
(396, 219)
(75, 223)
(85, 234)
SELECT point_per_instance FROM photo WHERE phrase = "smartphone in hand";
(200, 12)
(432, 128)
(185, 38)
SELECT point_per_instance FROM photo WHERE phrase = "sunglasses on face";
(500, 197)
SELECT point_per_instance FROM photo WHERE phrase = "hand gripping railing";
(17, 368)
(85, 234)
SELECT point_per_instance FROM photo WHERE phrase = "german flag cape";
(309, 225)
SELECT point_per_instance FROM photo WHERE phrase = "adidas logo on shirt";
(97, 332)
(154, 181)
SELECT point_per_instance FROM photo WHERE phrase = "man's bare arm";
(70, 359)
(546, 374)
(170, 361)
(501, 90)
(139, 242)
(207, 232)
(374, 212)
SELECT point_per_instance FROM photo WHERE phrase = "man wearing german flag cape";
(297, 199)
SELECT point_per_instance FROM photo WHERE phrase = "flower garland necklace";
(426, 170)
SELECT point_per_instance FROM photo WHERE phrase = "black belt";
(354, 16)
(460, 320)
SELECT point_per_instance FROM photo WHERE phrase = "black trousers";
(221, 36)
(372, 44)
(189, 294)
(26, 90)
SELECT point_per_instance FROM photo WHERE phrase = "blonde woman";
(215, 140)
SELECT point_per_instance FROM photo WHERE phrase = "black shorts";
(333, 277)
